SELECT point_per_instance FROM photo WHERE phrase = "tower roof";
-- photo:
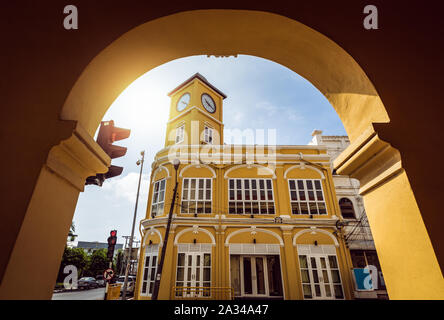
(201, 78)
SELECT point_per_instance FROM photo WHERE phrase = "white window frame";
(187, 196)
(156, 194)
(329, 269)
(189, 270)
(254, 289)
(258, 200)
(149, 271)
(208, 137)
(307, 201)
(180, 133)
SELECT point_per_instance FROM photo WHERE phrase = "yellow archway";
(228, 32)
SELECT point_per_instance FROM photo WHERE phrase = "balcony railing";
(203, 293)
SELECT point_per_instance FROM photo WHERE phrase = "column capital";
(370, 160)
(77, 158)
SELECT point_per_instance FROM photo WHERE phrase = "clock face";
(208, 103)
(183, 102)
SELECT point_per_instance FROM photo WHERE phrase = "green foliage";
(118, 260)
(87, 265)
(97, 263)
(72, 256)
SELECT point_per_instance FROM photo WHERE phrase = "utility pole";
(125, 284)
(176, 164)
(124, 255)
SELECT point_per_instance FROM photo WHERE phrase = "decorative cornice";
(249, 165)
(370, 160)
(240, 222)
(257, 146)
(314, 230)
(77, 158)
(158, 169)
(191, 109)
(197, 165)
(304, 166)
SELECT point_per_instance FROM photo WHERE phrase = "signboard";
(134, 253)
(108, 274)
(113, 292)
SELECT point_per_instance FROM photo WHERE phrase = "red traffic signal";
(108, 134)
(112, 240)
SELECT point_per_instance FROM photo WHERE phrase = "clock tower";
(195, 113)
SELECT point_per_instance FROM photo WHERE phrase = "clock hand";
(209, 104)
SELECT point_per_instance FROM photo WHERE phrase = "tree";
(119, 261)
(72, 256)
(97, 263)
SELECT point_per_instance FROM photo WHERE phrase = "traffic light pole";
(112, 240)
(165, 241)
(125, 284)
(107, 282)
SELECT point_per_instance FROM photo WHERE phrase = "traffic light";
(108, 134)
(112, 240)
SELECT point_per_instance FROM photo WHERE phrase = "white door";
(320, 277)
(194, 274)
(254, 276)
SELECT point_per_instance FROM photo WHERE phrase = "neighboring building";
(358, 236)
(250, 221)
(90, 247)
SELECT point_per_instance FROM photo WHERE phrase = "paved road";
(92, 294)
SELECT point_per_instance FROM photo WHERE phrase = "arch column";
(35, 258)
(407, 257)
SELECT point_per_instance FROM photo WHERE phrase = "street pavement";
(92, 294)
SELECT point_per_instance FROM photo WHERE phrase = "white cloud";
(126, 187)
(238, 116)
(270, 110)
(266, 107)
(293, 115)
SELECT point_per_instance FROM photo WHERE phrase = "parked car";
(130, 285)
(87, 283)
(100, 280)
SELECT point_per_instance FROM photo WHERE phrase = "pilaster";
(407, 258)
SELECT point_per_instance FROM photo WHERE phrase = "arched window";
(347, 210)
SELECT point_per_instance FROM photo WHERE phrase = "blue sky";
(261, 94)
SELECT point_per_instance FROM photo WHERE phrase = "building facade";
(249, 221)
(357, 233)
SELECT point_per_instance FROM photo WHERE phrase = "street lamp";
(176, 164)
(128, 261)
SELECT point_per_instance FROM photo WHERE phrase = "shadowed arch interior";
(285, 41)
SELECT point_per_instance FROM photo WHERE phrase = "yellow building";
(250, 221)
